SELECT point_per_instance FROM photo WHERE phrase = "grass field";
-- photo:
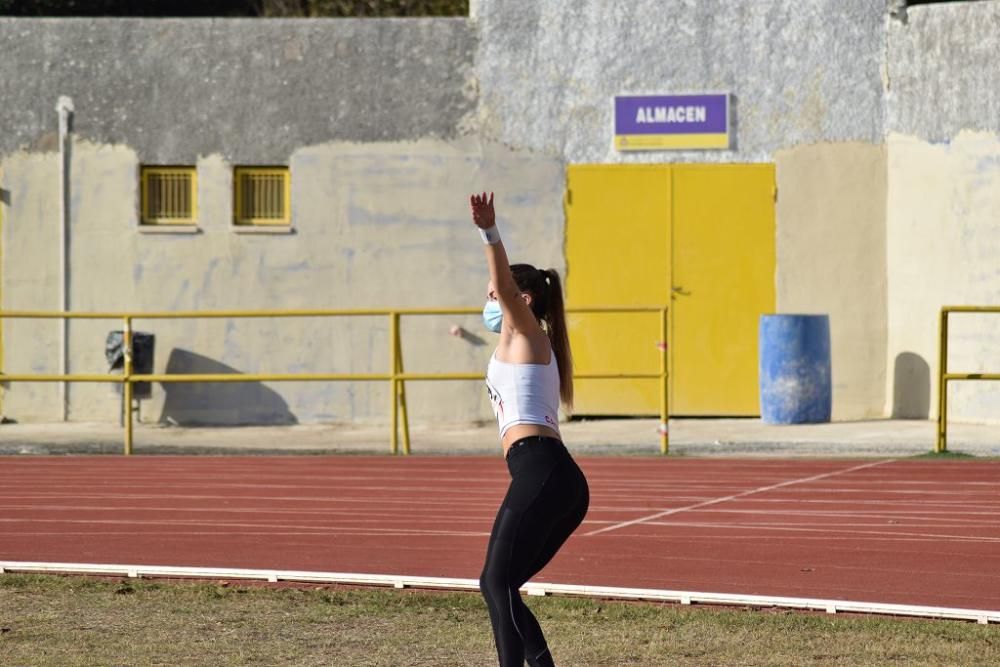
(949, 455)
(70, 621)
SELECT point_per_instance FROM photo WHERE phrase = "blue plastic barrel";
(795, 385)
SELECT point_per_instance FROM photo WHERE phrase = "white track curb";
(532, 588)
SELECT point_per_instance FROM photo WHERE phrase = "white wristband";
(490, 236)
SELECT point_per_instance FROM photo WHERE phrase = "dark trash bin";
(143, 346)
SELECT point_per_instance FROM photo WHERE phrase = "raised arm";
(517, 315)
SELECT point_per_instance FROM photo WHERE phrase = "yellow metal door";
(617, 254)
(723, 279)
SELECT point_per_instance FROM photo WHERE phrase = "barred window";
(169, 195)
(262, 196)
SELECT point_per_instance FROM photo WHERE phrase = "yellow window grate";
(262, 196)
(169, 195)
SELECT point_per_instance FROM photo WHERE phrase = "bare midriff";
(518, 431)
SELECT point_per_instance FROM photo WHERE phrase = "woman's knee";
(493, 583)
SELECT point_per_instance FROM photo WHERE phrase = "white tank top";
(524, 393)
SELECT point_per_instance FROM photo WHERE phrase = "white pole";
(64, 107)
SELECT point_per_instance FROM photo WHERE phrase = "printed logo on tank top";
(495, 399)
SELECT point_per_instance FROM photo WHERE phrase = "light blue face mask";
(492, 316)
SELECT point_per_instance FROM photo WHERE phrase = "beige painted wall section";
(31, 280)
(375, 225)
(831, 212)
(943, 249)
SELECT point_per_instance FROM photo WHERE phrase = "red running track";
(905, 532)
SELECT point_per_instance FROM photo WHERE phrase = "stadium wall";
(806, 81)
(943, 231)
(845, 101)
(370, 118)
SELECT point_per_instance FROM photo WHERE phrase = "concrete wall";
(818, 87)
(549, 70)
(30, 278)
(943, 233)
(370, 118)
(249, 90)
(800, 72)
(375, 225)
(386, 124)
(943, 249)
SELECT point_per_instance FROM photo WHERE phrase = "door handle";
(680, 290)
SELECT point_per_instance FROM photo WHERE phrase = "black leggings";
(546, 501)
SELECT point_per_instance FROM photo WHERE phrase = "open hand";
(482, 211)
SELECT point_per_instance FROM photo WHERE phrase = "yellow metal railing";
(396, 376)
(944, 376)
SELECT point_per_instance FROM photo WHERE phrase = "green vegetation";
(946, 456)
(75, 621)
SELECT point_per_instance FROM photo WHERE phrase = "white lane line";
(317, 529)
(752, 525)
(702, 539)
(716, 501)
(165, 488)
(255, 533)
(882, 513)
(916, 502)
(304, 499)
(352, 515)
(782, 540)
(828, 529)
(707, 539)
(892, 518)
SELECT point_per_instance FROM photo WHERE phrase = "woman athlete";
(548, 496)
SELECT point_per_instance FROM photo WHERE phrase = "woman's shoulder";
(522, 350)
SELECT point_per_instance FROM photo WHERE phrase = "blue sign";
(658, 122)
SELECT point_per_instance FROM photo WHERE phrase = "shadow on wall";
(218, 403)
(911, 395)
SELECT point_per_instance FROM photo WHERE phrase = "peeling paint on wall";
(371, 230)
(943, 240)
